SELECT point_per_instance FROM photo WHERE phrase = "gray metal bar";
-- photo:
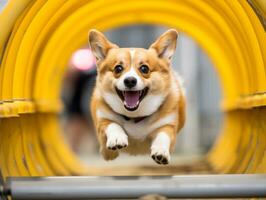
(194, 186)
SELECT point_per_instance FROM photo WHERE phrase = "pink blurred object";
(83, 59)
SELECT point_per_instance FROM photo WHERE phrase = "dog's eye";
(118, 69)
(144, 69)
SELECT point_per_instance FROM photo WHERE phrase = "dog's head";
(134, 81)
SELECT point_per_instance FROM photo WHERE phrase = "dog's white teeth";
(131, 106)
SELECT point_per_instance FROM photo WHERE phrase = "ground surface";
(144, 165)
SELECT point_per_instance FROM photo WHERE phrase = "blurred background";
(202, 90)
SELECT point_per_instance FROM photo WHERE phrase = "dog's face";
(133, 81)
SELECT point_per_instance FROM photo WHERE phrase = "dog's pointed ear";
(165, 45)
(99, 44)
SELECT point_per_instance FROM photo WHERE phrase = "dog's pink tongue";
(131, 98)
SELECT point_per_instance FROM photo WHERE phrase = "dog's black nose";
(130, 82)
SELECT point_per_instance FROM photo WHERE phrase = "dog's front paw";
(116, 137)
(116, 142)
(160, 155)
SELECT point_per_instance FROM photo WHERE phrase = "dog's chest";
(137, 130)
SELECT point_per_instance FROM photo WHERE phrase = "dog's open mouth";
(132, 99)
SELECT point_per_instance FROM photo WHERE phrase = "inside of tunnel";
(203, 93)
(39, 39)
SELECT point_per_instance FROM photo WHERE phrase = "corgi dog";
(138, 104)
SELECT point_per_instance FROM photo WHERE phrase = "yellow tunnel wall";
(38, 37)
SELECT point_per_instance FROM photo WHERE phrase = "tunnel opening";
(203, 93)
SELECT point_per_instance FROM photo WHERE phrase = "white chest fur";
(138, 130)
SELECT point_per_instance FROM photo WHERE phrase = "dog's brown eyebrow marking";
(143, 62)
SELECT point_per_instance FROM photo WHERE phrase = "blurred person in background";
(78, 84)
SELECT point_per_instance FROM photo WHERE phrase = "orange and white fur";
(138, 104)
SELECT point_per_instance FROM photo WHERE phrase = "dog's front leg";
(111, 138)
(163, 141)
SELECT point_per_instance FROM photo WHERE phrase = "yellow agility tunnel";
(37, 39)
